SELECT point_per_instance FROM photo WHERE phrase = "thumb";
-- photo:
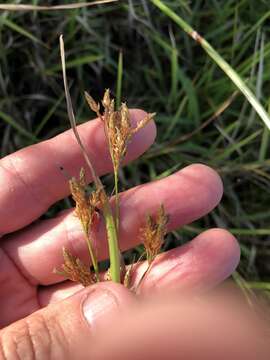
(64, 330)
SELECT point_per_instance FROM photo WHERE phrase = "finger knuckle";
(32, 339)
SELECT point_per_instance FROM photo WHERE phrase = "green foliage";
(136, 50)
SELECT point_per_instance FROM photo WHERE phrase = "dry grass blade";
(72, 117)
(25, 7)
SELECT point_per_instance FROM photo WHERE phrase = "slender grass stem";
(149, 267)
(92, 256)
(119, 79)
(117, 205)
(107, 211)
(113, 243)
(25, 7)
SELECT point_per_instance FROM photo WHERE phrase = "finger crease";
(25, 183)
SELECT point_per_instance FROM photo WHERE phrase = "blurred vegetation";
(145, 58)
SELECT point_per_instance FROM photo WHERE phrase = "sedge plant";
(90, 208)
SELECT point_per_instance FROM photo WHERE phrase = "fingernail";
(98, 304)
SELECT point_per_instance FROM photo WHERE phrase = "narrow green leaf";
(119, 79)
(218, 60)
(9, 120)
(22, 31)
(75, 63)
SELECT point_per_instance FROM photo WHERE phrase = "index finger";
(31, 181)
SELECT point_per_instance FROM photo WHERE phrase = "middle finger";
(187, 195)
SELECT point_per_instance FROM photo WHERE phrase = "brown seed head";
(106, 102)
(153, 233)
(91, 102)
(75, 270)
(97, 199)
(143, 122)
(117, 126)
(86, 206)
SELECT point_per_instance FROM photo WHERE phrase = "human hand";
(30, 182)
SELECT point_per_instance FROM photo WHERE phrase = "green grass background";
(146, 59)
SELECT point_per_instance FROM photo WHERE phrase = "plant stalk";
(113, 243)
(117, 205)
(93, 257)
(107, 211)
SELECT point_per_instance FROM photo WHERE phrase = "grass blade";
(240, 84)
(119, 79)
(75, 63)
(9, 120)
(25, 7)
(71, 115)
(22, 31)
(45, 119)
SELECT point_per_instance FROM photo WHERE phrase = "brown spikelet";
(143, 122)
(75, 270)
(153, 233)
(106, 102)
(86, 205)
(97, 199)
(117, 126)
(91, 102)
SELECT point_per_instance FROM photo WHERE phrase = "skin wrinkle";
(189, 263)
(50, 337)
(16, 268)
(2, 351)
(172, 261)
(75, 242)
(27, 293)
(31, 349)
(28, 186)
(31, 280)
(48, 237)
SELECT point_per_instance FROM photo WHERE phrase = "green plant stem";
(92, 256)
(119, 79)
(117, 207)
(107, 211)
(114, 251)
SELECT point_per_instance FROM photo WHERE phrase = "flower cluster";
(153, 233)
(75, 270)
(86, 205)
(117, 125)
